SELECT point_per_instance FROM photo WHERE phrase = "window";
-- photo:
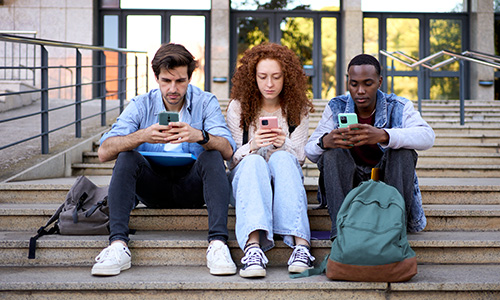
(431, 6)
(317, 5)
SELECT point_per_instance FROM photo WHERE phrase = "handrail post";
(78, 95)
(103, 87)
(136, 75)
(392, 76)
(462, 92)
(121, 79)
(147, 74)
(44, 115)
(420, 79)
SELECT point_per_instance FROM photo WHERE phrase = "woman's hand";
(266, 137)
(280, 138)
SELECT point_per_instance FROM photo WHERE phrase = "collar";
(380, 109)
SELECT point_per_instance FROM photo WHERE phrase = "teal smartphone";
(165, 117)
(346, 119)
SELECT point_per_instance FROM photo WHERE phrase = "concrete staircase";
(458, 253)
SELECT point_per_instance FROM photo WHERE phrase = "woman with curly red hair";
(266, 173)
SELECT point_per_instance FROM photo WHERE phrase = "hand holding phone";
(165, 117)
(346, 119)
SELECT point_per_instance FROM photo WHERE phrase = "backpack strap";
(41, 232)
(311, 272)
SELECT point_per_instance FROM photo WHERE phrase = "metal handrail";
(98, 82)
(52, 43)
(472, 56)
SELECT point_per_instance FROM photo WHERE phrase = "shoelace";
(254, 256)
(301, 253)
(109, 252)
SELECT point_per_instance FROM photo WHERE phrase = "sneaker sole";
(253, 273)
(223, 271)
(297, 269)
(110, 272)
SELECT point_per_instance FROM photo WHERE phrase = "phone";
(165, 117)
(346, 119)
(268, 122)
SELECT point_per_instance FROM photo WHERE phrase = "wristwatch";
(206, 137)
(320, 143)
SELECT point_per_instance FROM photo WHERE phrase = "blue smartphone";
(346, 119)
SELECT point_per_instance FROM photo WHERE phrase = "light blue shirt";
(201, 111)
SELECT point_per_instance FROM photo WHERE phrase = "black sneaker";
(300, 260)
(254, 263)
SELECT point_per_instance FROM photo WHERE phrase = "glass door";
(302, 32)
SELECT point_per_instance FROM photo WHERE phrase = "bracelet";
(320, 143)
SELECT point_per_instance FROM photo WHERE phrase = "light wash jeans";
(270, 197)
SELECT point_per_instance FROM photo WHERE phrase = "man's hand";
(180, 132)
(355, 135)
(156, 134)
(364, 134)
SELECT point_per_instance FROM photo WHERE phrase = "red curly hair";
(293, 98)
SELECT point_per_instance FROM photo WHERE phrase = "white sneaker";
(300, 260)
(254, 263)
(219, 259)
(113, 259)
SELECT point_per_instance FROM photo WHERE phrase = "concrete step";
(434, 190)
(477, 117)
(472, 116)
(467, 129)
(460, 158)
(29, 217)
(188, 248)
(490, 147)
(463, 171)
(437, 167)
(450, 169)
(439, 122)
(437, 155)
(457, 282)
(462, 138)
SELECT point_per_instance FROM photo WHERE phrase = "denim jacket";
(405, 127)
(201, 111)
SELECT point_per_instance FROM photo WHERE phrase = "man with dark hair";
(388, 132)
(202, 131)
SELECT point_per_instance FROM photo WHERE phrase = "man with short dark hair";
(388, 132)
(201, 131)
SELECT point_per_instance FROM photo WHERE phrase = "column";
(219, 63)
(481, 39)
(352, 33)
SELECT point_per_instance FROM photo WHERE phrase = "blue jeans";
(134, 179)
(340, 174)
(270, 197)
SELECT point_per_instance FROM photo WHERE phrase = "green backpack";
(371, 243)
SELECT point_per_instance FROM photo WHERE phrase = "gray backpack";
(84, 212)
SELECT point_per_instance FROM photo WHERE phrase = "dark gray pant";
(135, 179)
(340, 174)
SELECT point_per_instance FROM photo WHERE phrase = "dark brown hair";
(171, 56)
(293, 98)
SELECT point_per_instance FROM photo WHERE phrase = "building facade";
(325, 34)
